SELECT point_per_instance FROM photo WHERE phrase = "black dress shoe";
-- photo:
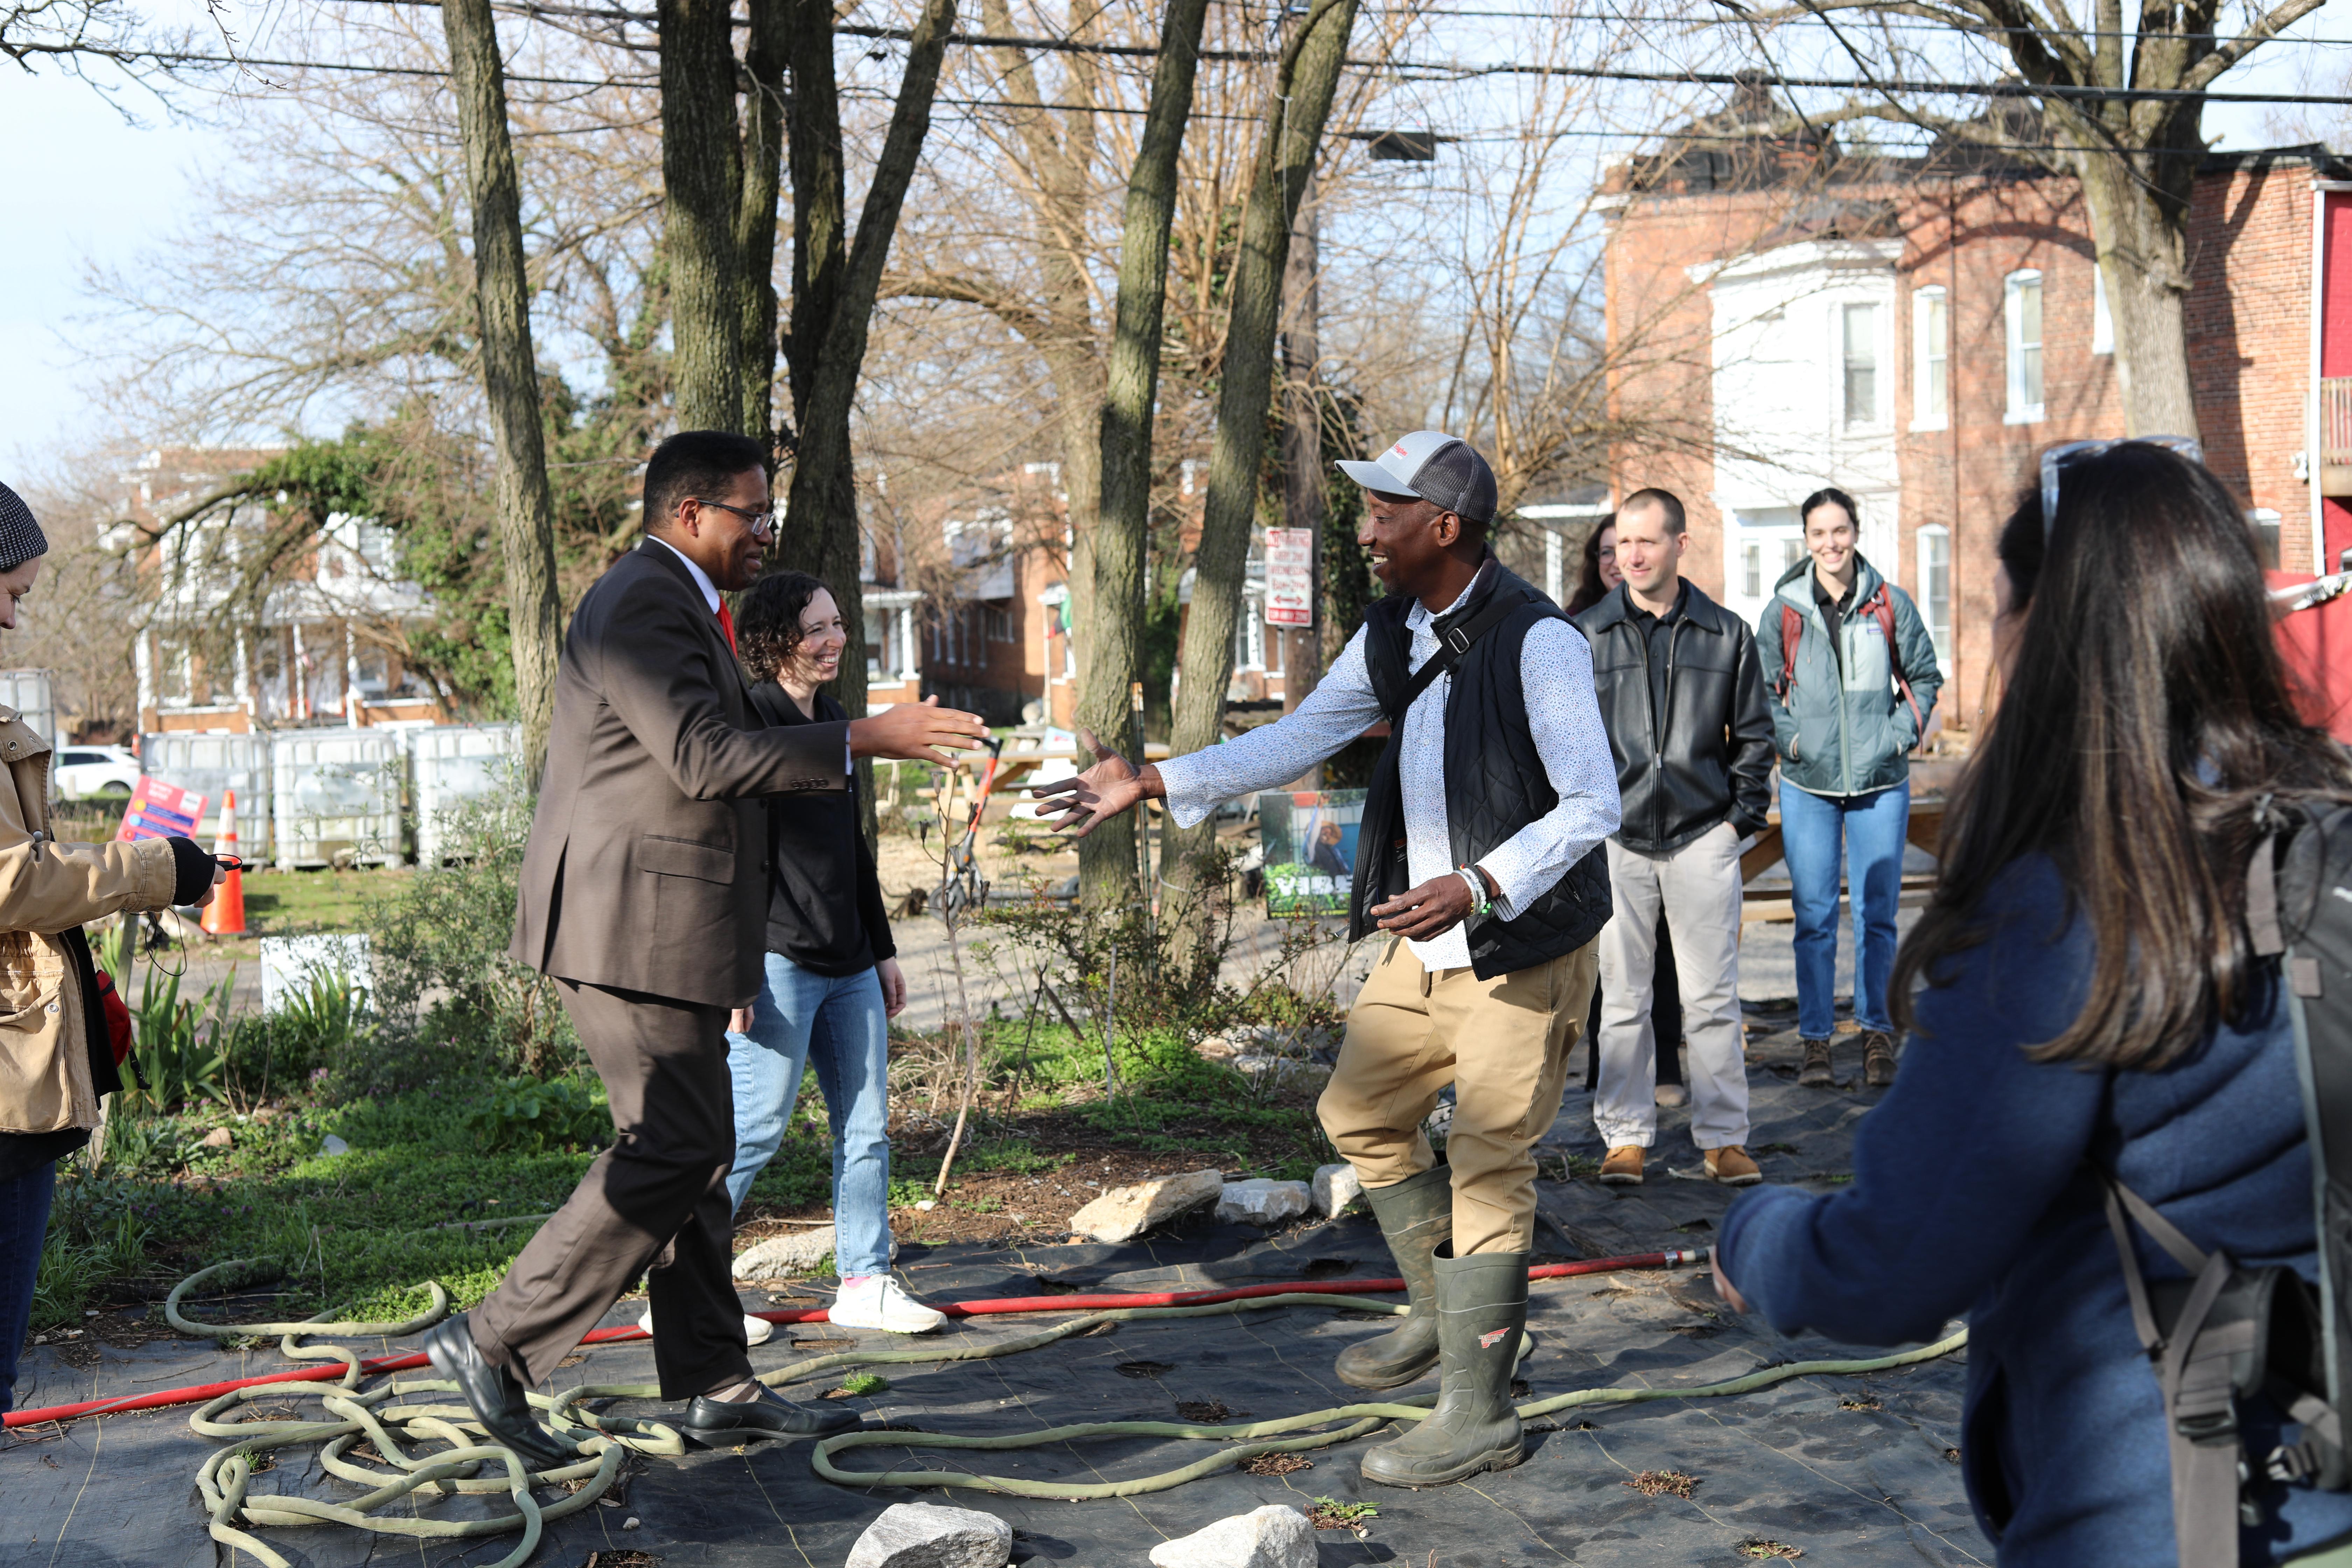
(713, 1422)
(494, 1397)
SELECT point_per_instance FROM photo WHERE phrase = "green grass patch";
(280, 904)
(863, 1382)
(359, 1233)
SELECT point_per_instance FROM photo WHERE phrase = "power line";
(191, 57)
(1435, 70)
(1973, 29)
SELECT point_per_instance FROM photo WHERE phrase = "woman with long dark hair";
(2087, 1001)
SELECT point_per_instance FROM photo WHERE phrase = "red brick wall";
(2248, 324)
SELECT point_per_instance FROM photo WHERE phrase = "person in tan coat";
(56, 1059)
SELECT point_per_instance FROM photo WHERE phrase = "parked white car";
(85, 773)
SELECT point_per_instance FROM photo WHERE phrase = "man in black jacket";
(1682, 695)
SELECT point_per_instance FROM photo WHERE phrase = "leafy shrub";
(87, 1248)
(535, 1115)
(450, 1005)
(178, 1053)
(318, 1025)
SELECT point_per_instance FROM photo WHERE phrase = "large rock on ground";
(1336, 1186)
(1262, 1202)
(1272, 1537)
(1124, 1212)
(924, 1535)
(788, 1257)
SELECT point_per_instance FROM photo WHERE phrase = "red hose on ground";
(1008, 1304)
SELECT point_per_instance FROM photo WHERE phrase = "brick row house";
(966, 598)
(1915, 331)
(315, 653)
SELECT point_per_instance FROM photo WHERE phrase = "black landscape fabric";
(1857, 1469)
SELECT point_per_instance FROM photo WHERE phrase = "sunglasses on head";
(2066, 454)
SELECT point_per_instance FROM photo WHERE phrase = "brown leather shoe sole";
(1617, 1173)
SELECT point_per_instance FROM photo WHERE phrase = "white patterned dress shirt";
(1563, 715)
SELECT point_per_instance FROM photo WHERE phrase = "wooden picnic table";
(1926, 824)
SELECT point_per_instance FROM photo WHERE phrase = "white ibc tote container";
(211, 766)
(452, 763)
(28, 692)
(336, 792)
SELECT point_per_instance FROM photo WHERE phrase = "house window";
(2021, 301)
(1931, 337)
(1752, 571)
(996, 623)
(1936, 588)
(1861, 361)
(2103, 323)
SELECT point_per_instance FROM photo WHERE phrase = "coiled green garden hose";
(602, 1440)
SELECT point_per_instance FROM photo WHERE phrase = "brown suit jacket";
(647, 868)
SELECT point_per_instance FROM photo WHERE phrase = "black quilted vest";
(1495, 780)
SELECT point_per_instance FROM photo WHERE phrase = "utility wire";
(1440, 70)
(1983, 29)
(191, 57)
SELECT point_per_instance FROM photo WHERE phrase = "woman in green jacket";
(1851, 676)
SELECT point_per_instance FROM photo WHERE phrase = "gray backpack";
(2225, 1333)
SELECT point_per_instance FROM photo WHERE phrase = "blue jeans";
(837, 1024)
(24, 1221)
(1873, 827)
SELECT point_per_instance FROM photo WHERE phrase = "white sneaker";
(878, 1301)
(756, 1330)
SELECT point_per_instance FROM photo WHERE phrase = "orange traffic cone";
(225, 916)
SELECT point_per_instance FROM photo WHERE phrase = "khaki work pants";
(1502, 1043)
(1697, 888)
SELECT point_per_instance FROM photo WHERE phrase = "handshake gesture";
(915, 732)
(1112, 785)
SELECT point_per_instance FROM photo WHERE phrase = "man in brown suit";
(645, 895)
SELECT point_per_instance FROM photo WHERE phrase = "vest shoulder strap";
(1454, 642)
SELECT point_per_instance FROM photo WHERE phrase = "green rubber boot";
(1482, 1315)
(1416, 1215)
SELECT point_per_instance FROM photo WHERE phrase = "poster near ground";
(1309, 840)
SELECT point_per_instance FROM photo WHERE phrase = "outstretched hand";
(915, 732)
(1112, 785)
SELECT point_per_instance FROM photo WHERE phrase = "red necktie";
(726, 624)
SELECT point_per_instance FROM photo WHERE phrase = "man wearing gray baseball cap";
(1480, 856)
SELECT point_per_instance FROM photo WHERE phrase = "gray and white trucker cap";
(1435, 467)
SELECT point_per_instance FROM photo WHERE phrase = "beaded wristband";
(1480, 902)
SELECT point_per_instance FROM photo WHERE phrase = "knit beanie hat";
(20, 537)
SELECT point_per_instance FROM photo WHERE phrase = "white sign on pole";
(1290, 576)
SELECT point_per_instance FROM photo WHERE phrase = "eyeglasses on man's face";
(763, 524)
(2066, 454)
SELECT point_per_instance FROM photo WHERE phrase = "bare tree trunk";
(702, 190)
(1304, 85)
(765, 57)
(835, 282)
(1303, 480)
(526, 511)
(2139, 218)
(1114, 654)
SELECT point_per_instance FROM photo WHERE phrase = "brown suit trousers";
(655, 1202)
